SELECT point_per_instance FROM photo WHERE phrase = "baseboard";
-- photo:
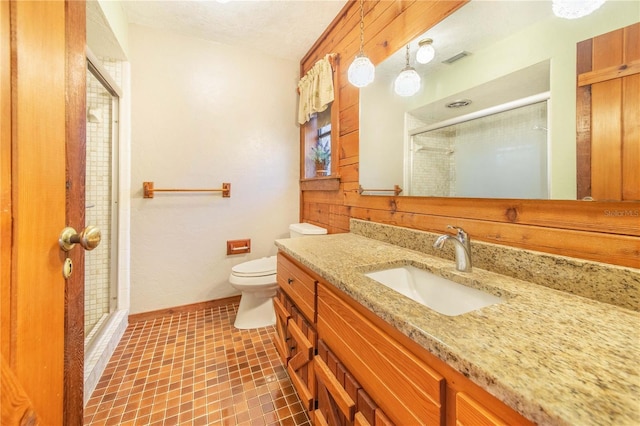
(146, 316)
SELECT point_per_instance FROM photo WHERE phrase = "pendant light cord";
(362, 27)
(407, 56)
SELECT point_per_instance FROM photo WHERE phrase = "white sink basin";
(433, 291)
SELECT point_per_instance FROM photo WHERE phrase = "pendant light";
(361, 71)
(408, 81)
(426, 52)
(573, 9)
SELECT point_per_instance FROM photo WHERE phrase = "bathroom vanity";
(360, 353)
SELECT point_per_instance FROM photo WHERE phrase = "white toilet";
(256, 280)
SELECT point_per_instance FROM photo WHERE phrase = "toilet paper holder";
(239, 246)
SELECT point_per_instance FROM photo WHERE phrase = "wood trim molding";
(329, 183)
(151, 315)
(76, 122)
(609, 73)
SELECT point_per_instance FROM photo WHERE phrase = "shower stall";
(500, 152)
(103, 322)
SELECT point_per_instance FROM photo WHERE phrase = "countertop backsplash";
(616, 285)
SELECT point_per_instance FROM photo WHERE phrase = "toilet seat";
(256, 268)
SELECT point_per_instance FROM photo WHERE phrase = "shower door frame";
(97, 70)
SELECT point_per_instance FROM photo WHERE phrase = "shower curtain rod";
(529, 100)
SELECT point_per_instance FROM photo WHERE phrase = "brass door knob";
(89, 238)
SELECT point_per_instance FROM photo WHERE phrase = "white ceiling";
(281, 28)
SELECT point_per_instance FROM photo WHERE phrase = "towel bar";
(396, 190)
(149, 190)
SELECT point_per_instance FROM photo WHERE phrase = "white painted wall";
(204, 113)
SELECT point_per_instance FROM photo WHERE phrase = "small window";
(318, 157)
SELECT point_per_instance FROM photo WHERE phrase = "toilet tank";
(303, 229)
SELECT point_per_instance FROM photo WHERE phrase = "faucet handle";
(462, 234)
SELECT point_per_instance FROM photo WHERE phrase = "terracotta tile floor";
(195, 368)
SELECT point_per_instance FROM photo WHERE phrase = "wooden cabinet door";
(341, 399)
(282, 337)
(300, 366)
(407, 389)
(295, 342)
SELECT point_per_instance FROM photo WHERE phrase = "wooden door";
(42, 116)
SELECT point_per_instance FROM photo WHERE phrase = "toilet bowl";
(256, 280)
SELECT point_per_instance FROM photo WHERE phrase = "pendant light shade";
(573, 9)
(407, 83)
(361, 71)
(426, 52)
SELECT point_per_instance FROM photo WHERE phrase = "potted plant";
(321, 156)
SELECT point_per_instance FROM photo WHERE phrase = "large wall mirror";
(510, 68)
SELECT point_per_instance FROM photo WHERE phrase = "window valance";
(316, 89)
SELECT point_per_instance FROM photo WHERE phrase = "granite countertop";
(555, 357)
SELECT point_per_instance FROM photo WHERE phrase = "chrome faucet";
(462, 245)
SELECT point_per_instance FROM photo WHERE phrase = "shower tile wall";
(98, 270)
(433, 165)
(434, 172)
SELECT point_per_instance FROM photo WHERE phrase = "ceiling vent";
(457, 57)
(459, 103)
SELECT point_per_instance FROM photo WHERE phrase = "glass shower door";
(100, 209)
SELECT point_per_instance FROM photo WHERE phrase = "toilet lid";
(256, 268)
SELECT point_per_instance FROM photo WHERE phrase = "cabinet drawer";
(298, 285)
(403, 386)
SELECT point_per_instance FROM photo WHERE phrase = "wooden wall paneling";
(608, 49)
(347, 19)
(606, 136)
(606, 140)
(583, 122)
(333, 217)
(330, 197)
(616, 217)
(350, 172)
(601, 247)
(406, 24)
(348, 161)
(339, 217)
(631, 49)
(349, 94)
(631, 118)
(631, 138)
(317, 212)
(349, 117)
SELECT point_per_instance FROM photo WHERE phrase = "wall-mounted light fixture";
(361, 71)
(426, 52)
(573, 9)
(408, 81)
